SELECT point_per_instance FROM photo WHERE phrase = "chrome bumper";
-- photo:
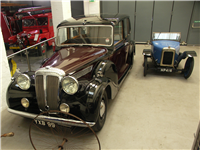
(59, 121)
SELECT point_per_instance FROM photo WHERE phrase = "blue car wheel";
(145, 66)
(189, 65)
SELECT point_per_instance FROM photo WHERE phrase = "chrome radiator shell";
(47, 82)
(167, 57)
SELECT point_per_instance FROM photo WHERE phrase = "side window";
(126, 27)
(118, 32)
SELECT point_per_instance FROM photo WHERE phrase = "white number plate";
(43, 123)
(36, 37)
(166, 70)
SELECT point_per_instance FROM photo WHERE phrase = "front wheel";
(102, 113)
(189, 65)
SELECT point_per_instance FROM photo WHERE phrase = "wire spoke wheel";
(47, 135)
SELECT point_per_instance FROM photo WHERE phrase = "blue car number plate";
(166, 70)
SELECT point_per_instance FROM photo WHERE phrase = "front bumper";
(59, 121)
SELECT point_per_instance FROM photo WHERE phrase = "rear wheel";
(145, 66)
(189, 65)
(102, 113)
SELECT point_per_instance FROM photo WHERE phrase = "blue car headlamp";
(23, 81)
(70, 85)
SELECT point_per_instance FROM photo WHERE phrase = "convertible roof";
(102, 19)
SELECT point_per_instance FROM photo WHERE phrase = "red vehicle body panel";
(4, 28)
(45, 31)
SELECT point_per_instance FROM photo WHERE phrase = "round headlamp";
(29, 35)
(70, 85)
(64, 107)
(25, 102)
(23, 81)
(18, 36)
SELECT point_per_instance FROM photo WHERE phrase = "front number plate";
(166, 70)
(43, 123)
(14, 47)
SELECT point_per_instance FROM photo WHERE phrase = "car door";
(121, 46)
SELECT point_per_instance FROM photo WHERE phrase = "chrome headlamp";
(18, 36)
(70, 85)
(29, 35)
(23, 81)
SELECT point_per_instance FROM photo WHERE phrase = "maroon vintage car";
(36, 26)
(93, 56)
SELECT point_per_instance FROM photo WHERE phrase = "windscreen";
(85, 35)
(29, 22)
(175, 36)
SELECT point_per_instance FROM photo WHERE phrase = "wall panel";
(162, 16)
(109, 7)
(194, 33)
(143, 20)
(181, 17)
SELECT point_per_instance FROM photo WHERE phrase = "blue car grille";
(167, 58)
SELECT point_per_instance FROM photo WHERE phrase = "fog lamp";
(25, 102)
(64, 107)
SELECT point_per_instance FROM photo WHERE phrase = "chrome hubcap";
(102, 108)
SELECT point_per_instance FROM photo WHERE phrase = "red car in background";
(36, 25)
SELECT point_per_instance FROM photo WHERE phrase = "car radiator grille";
(168, 58)
(47, 83)
(47, 96)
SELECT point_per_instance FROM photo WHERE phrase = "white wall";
(61, 10)
(5, 75)
(92, 7)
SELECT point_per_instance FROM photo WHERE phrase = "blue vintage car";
(166, 56)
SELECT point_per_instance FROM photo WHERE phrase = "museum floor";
(159, 111)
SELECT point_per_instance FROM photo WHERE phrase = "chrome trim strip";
(59, 121)
(82, 72)
(49, 71)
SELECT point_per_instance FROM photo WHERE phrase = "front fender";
(147, 52)
(186, 54)
(107, 69)
(95, 92)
